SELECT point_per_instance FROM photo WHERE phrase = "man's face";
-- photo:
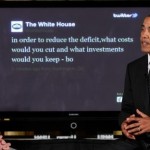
(145, 35)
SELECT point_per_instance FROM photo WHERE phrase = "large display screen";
(66, 58)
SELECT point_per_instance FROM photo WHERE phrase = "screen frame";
(64, 117)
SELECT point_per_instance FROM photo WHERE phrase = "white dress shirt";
(148, 63)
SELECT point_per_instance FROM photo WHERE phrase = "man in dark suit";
(135, 112)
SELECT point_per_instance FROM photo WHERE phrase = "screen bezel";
(68, 116)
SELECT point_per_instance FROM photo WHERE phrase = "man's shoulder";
(140, 60)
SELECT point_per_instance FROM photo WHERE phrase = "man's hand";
(140, 124)
(124, 127)
(3, 144)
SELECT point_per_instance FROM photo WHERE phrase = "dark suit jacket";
(135, 88)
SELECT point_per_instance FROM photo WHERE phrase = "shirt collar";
(148, 62)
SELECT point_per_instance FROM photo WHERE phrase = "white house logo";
(125, 15)
(16, 26)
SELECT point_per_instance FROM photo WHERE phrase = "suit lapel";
(145, 92)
